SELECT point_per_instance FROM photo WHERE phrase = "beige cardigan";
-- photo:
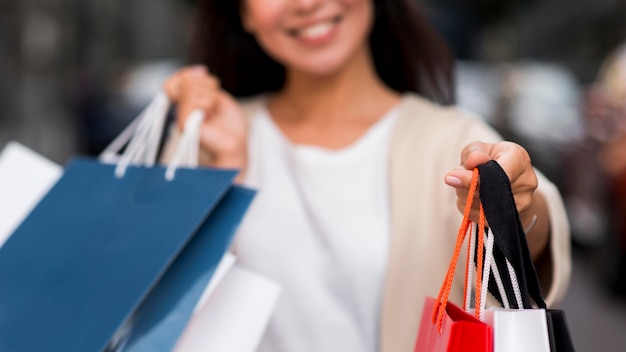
(426, 143)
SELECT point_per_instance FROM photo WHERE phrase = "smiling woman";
(407, 53)
(334, 110)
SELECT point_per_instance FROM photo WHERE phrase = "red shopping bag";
(460, 331)
(445, 327)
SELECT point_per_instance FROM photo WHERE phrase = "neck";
(354, 90)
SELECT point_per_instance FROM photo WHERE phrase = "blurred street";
(597, 319)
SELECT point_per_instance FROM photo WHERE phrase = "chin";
(322, 65)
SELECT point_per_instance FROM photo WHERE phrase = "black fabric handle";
(510, 240)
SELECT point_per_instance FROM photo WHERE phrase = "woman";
(356, 162)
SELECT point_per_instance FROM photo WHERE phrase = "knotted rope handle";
(444, 293)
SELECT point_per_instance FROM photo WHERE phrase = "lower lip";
(322, 39)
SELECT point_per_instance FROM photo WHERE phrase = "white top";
(319, 226)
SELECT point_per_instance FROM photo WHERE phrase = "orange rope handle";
(444, 293)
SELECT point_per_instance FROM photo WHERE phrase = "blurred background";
(549, 74)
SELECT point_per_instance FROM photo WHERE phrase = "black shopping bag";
(511, 248)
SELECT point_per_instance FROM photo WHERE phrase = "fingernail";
(453, 181)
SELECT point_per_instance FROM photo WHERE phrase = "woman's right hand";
(224, 131)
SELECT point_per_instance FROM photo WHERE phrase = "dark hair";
(408, 54)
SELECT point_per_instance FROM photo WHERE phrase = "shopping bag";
(460, 331)
(560, 338)
(75, 271)
(518, 330)
(163, 316)
(444, 327)
(523, 328)
(234, 317)
(25, 177)
(88, 254)
(513, 329)
(233, 320)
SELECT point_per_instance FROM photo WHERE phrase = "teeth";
(316, 30)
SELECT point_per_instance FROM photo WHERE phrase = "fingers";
(473, 155)
(476, 153)
(172, 84)
(223, 134)
(192, 88)
(459, 178)
(513, 159)
(461, 196)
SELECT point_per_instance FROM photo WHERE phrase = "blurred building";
(62, 60)
(577, 34)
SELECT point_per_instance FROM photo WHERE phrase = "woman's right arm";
(224, 132)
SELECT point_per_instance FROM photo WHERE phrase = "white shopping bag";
(234, 317)
(221, 271)
(25, 177)
(518, 330)
(514, 330)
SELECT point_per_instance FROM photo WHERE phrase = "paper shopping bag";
(560, 338)
(234, 317)
(78, 267)
(524, 328)
(513, 329)
(444, 327)
(460, 331)
(162, 317)
(25, 177)
(518, 330)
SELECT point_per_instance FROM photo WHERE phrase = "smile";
(317, 30)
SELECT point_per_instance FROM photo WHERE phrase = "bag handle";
(444, 293)
(143, 136)
(511, 252)
(186, 153)
(489, 263)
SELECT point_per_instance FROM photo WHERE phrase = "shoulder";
(420, 118)
(426, 133)
(417, 112)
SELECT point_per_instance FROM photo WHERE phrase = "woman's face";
(316, 37)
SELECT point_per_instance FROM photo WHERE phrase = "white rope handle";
(145, 130)
(515, 283)
(491, 268)
(486, 270)
(500, 285)
(186, 153)
(143, 137)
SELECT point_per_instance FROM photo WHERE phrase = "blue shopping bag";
(77, 269)
(163, 316)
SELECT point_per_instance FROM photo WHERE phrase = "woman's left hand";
(515, 161)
